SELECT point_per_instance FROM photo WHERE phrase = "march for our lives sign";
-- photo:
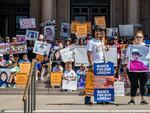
(104, 82)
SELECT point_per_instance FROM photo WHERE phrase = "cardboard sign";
(89, 85)
(24, 67)
(81, 30)
(56, 78)
(73, 26)
(100, 21)
(21, 78)
(27, 23)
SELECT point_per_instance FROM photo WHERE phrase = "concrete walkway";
(71, 104)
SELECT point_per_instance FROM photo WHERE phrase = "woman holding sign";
(136, 76)
(95, 52)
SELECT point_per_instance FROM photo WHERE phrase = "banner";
(139, 58)
(66, 54)
(81, 30)
(119, 88)
(49, 32)
(100, 21)
(65, 30)
(56, 78)
(71, 85)
(41, 48)
(32, 35)
(89, 85)
(21, 38)
(104, 82)
(111, 32)
(24, 67)
(126, 30)
(73, 26)
(81, 56)
(111, 55)
(21, 78)
(27, 23)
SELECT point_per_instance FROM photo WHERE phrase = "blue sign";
(104, 95)
(104, 69)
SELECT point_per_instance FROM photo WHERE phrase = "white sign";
(126, 30)
(111, 32)
(41, 48)
(119, 88)
(65, 29)
(81, 56)
(111, 55)
(72, 85)
(27, 23)
(66, 54)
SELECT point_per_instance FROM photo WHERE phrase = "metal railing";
(29, 96)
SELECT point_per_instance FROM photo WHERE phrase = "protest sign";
(81, 30)
(32, 35)
(71, 85)
(65, 30)
(5, 48)
(24, 67)
(111, 32)
(66, 54)
(39, 57)
(81, 56)
(19, 47)
(126, 30)
(4, 76)
(100, 21)
(27, 23)
(41, 48)
(89, 26)
(21, 78)
(111, 55)
(119, 88)
(81, 80)
(139, 58)
(49, 32)
(73, 26)
(104, 82)
(89, 85)
(20, 38)
(55, 78)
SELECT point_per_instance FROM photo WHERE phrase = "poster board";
(56, 78)
(32, 35)
(111, 32)
(126, 30)
(100, 21)
(119, 88)
(24, 67)
(73, 26)
(81, 30)
(71, 85)
(21, 78)
(49, 32)
(26, 23)
(65, 30)
(21, 38)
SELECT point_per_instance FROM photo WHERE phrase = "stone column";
(48, 10)
(133, 12)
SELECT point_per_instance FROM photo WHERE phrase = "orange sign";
(100, 21)
(24, 67)
(21, 78)
(89, 26)
(73, 26)
(82, 30)
(89, 86)
(39, 57)
(56, 78)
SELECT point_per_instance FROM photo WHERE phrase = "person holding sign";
(95, 52)
(136, 77)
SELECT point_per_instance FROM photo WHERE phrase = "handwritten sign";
(100, 21)
(81, 30)
(56, 78)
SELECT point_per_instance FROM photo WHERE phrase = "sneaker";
(131, 102)
(144, 102)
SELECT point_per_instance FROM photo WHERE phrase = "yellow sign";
(39, 57)
(100, 21)
(21, 78)
(56, 78)
(82, 30)
(73, 26)
(89, 86)
(24, 67)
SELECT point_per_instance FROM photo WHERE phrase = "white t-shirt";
(69, 74)
(96, 47)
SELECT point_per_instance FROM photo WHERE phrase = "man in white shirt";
(95, 53)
